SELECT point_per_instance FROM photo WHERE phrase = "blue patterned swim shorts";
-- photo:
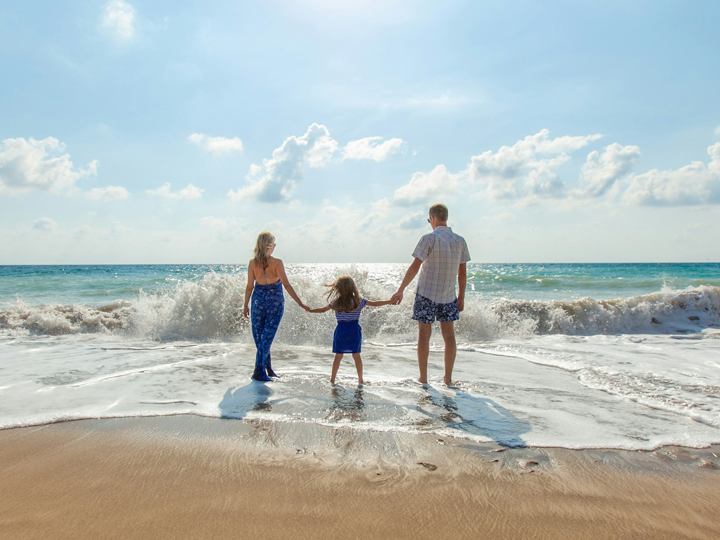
(426, 311)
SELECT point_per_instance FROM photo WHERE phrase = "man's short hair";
(439, 211)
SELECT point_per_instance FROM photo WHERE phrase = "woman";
(266, 277)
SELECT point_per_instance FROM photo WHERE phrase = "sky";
(135, 131)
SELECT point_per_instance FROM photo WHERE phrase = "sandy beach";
(191, 477)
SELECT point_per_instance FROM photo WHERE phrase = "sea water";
(576, 356)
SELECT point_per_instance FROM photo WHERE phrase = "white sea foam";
(211, 309)
(635, 372)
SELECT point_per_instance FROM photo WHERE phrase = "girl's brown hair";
(265, 241)
(343, 295)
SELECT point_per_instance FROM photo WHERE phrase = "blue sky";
(161, 132)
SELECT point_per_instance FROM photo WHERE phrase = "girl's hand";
(246, 312)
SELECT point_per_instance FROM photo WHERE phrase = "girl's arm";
(319, 310)
(286, 284)
(378, 303)
(249, 289)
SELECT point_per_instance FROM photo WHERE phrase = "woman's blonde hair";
(265, 241)
(343, 295)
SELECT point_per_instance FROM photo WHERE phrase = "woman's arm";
(319, 310)
(378, 302)
(249, 288)
(283, 278)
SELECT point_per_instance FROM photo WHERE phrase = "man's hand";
(461, 304)
(396, 298)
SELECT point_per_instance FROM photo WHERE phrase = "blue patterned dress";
(268, 305)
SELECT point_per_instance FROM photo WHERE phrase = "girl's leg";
(336, 366)
(272, 322)
(358, 366)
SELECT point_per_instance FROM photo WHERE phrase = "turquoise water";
(573, 355)
(98, 285)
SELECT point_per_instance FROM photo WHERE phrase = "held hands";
(396, 298)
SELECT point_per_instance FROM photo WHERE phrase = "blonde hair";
(265, 241)
(343, 295)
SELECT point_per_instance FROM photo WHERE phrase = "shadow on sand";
(475, 415)
(237, 402)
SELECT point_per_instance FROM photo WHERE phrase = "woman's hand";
(246, 312)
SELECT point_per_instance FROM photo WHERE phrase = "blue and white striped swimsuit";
(348, 334)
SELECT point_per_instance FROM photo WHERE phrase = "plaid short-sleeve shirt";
(442, 252)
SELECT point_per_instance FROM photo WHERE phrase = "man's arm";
(409, 276)
(462, 282)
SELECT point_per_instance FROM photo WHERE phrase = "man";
(440, 257)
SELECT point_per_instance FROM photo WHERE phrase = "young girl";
(344, 299)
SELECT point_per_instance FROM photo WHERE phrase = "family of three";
(440, 257)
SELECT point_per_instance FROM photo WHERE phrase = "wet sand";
(191, 477)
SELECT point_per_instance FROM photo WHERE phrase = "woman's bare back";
(265, 276)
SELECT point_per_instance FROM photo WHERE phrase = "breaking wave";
(211, 309)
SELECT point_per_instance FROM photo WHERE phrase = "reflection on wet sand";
(346, 405)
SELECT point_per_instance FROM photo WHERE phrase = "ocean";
(549, 355)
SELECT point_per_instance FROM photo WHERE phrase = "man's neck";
(444, 224)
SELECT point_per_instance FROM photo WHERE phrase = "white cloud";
(371, 148)
(602, 170)
(414, 220)
(275, 180)
(216, 145)
(426, 187)
(188, 192)
(118, 19)
(44, 224)
(528, 167)
(225, 230)
(692, 184)
(27, 165)
(109, 193)
(368, 220)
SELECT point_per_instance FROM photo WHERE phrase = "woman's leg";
(274, 315)
(335, 367)
(358, 366)
(258, 318)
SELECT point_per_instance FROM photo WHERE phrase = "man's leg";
(448, 334)
(423, 349)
